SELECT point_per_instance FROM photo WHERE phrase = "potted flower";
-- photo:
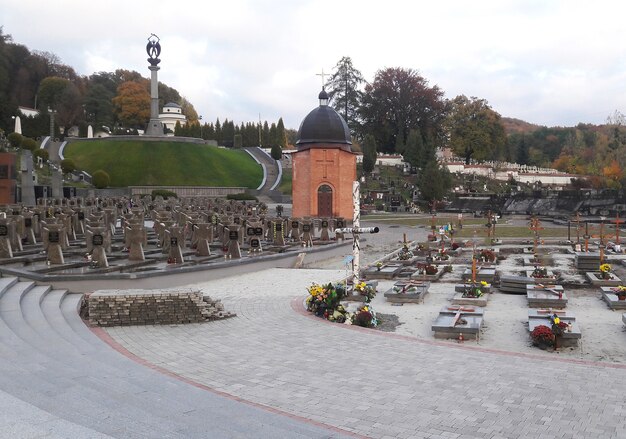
(473, 292)
(542, 337)
(405, 254)
(605, 271)
(430, 269)
(365, 290)
(365, 317)
(379, 265)
(540, 272)
(487, 255)
(620, 292)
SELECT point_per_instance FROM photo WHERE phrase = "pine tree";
(280, 133)
(434, 182)
(276, 152)
(343, 90)
(369, 153)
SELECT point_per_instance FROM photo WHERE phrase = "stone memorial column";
(234, 251)
(52, 240)
(98, 253)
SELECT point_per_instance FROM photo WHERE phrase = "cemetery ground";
(405, 384)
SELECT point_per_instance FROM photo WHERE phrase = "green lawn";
(136, 163)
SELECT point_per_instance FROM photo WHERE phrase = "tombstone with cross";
(307, 233)
(52, 243)
(29, 232)
(278, 232)
(175, 239)
(339, 223)
(98, 253)
(6, 249)
(203, 235)
(324, 227)
(233, 232)
(136, 240)
(294, 231)
(254, 231)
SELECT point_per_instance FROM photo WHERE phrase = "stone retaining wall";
(152, 307)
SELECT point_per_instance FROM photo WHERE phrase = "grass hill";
(137, 163)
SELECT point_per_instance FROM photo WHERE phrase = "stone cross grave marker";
(255, 234)
(136, 239)
(294, 233)
(203, 235)
(307, 237)
(98, 253)
(234, 252)
(6, 250)
(324, 230)
(52, 243)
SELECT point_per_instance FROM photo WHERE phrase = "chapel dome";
(323, 125)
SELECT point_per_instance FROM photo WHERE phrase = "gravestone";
(98, 254)
(294, 232)
(29, 228)
(255, 234)
(340, 223)
(455, 321)
(307, 233)
(203, 234)
(279, 237)
(136, 239)
(52, 243)
(324, 230)
(6, 250)
(234, 251)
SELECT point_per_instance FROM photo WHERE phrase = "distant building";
(172, 113)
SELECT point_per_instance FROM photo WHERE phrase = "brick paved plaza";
(375, 384)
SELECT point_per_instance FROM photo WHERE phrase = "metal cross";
(322, 75)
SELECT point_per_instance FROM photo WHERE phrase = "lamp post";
(200, 122)
(52, 113)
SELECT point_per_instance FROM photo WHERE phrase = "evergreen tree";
(369, 153)
(238, 141)
(218, 131)
(344, 93)
(273, 136)
(178, 129)
(414, 150)
(276, 152)
(522, 152)
(399, 148)
(266, 135)
(280, 132)
(434, 182)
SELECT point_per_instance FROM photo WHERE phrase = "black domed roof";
(323, 125)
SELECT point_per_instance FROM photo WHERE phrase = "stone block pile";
(152, 307)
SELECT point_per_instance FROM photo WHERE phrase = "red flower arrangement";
(430, 269)
(542, 336)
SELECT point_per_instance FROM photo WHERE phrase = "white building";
(172, 113)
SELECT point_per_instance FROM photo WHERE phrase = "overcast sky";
(546, 62)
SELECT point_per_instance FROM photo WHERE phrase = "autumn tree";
(398, 100)
(475, 130)
(132, 104)
(344, 92)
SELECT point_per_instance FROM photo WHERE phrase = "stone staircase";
(59, 380)
(271, 171)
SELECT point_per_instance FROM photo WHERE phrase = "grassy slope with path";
(136, 162)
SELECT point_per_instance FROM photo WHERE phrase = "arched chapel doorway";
(324, 201)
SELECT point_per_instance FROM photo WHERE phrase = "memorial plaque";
(16, 212)
(168, 208)
(278, 227)
(255, 243)
(81, 216)
(295, 224)
(4, 230)
(237, 220)
(233, 235)
(28, 222)
(174, 241)
(120, 205)
(340, 224)
(250, 231)
(97, 239)
(324, 223)
(306, 228)
(53, 236)
(258, 231)
(586, 236)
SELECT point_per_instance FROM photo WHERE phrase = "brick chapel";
(324, 166)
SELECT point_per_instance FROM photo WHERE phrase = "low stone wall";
(152, 307)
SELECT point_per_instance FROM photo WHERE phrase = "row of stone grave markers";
(194, 223)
